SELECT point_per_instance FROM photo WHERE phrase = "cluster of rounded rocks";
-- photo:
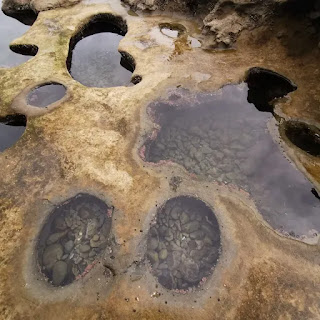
(75, 234)
(210, 141)
(183, 243)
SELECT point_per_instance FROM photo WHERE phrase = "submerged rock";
(59, 272)
(84, 238)
(179, 261)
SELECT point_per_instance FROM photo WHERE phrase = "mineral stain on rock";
(183, 243)
(304, 136)
(94, 59)
(46, 94)
(75, 234)
(11, 129)
(224, 138)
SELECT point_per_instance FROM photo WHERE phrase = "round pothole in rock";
(305, 137)
(75, 234)
(183, 243)
(11, 129)
(172, 30)
(46, 94)
(266, 85)
(94, 59)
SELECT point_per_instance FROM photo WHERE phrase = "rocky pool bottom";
(183, 243)
(73, 237)
(222, 137)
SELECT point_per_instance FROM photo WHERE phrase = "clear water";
(74, 236)
(222, 137)
(11, 129)
(10, 29)
(96, 61)
(183, 243)
(45, 95)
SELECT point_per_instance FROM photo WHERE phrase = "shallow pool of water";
(75, 234)
(10, 29)
(183, 243)
(222, 137)
(95, 60)
(45, 95)
(11, 129)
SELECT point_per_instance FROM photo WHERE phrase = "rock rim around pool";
(183, 243)
(23, 105)
(73, 237)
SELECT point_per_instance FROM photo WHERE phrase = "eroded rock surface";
(26, 7)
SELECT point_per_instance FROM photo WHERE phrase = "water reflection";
(223, 137)
(46, 94)
(10, 29)
(11, 129)
(94, 59)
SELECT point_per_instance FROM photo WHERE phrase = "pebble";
(180, 258)
(153, 244)
(51, 255)
(79, 223)
(163, 254)
(59, 272)
(55, 237)
(84, 248)
(68, 246)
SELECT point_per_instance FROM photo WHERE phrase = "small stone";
(55, 237)
(75, 270)
(95, 237)
(59, 272)
(153, 256)
(175, 213)
(153, 244)
(64, 257)
(68, 220)
(192, 245)
(84, 255)
(84, 248)
(51, 255)
(184, 218)
(92, 254)
(60, 224)
(163, 254)
(191, 226)
(84, 213)
(169, 235)
(198, 235)
(77, 259)
(68, 246)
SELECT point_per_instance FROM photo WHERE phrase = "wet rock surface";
(94, 59)
(76, 233)
(11, 129)
(46, 94)
(305, 137)
(183, 243)
(224, 138)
